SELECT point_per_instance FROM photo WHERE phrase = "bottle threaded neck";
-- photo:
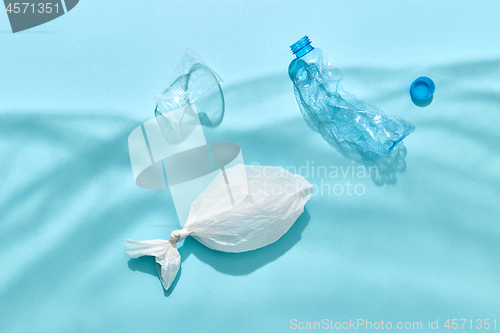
(302, 47)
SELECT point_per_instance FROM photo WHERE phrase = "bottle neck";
(302, 47)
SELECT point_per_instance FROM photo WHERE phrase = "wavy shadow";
(64, 197)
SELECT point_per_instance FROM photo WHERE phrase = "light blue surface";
(73, 89)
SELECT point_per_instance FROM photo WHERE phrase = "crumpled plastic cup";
(193, 82)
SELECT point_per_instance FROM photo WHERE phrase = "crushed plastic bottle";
(341, 118)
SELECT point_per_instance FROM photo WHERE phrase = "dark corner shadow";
(246, 262)
(9, 32)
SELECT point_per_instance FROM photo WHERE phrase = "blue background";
(73, 89)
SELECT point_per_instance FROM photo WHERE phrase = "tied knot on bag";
(177, 235)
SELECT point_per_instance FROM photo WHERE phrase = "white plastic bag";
(272, 200)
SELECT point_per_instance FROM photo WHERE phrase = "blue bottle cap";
(302, 47)
(422, 90)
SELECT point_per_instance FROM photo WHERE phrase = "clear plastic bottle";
(342, 119)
